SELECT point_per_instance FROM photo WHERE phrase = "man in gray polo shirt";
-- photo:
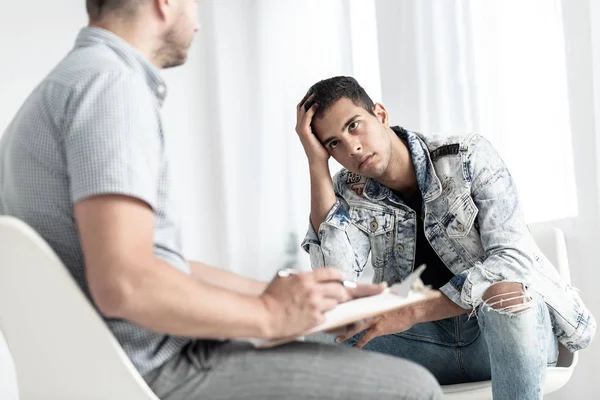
(83, 163)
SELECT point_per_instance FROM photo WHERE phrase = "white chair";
(552, 243)
(62, 349)
(60, 346)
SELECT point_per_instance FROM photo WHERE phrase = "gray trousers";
(234, 370)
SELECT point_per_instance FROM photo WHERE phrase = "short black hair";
(328, 91)
(96, 8)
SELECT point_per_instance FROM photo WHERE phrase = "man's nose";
(355, 148)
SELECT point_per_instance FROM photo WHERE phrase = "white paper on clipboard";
(399, 295)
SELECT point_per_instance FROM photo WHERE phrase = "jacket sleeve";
(508, 245)
(338, 243)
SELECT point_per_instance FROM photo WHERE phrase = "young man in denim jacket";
(405, 199)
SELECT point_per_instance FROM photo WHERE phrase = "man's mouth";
(365, 161)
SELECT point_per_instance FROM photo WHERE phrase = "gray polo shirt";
(93, 127)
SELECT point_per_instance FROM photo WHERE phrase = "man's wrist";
(318, 165)
(433, 310)
(264, 318)
(259, 287)
(416, 313)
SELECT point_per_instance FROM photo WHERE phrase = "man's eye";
(353, 125)
(333, 144)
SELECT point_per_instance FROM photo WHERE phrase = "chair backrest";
(552, 243)
(60, 346)
(8, 376)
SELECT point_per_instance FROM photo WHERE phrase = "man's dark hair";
(96, 8)
(328, 91)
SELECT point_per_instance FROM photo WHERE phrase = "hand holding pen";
(285, 272)
(297, 301)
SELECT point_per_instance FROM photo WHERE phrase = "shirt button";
(373, 226)
(400, 248)
(460, 227)
(161, 89)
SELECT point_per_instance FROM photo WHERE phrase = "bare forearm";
(322, 194)
(164, 299)
(435, 310)
(226, 280)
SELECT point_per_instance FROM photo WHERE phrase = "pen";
(282, 273)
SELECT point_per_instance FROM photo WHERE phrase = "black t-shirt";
(436, 274)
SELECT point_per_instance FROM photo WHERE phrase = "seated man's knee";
(510, 297)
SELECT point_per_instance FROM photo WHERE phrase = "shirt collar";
(92, 35)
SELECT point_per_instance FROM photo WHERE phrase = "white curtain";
(232, 114)
(494, 67)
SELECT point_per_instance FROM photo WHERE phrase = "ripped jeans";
(510, 344)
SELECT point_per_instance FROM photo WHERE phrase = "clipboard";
(409, 291)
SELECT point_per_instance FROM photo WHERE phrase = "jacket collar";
(429, 184)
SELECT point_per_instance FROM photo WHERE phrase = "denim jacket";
(472, 219)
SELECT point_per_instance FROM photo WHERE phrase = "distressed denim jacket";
(472, 219)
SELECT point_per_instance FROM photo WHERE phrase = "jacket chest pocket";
(378, 225)
(461, 228)
(461, 217)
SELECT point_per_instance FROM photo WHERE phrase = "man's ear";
(162, 7)
(381, 114)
